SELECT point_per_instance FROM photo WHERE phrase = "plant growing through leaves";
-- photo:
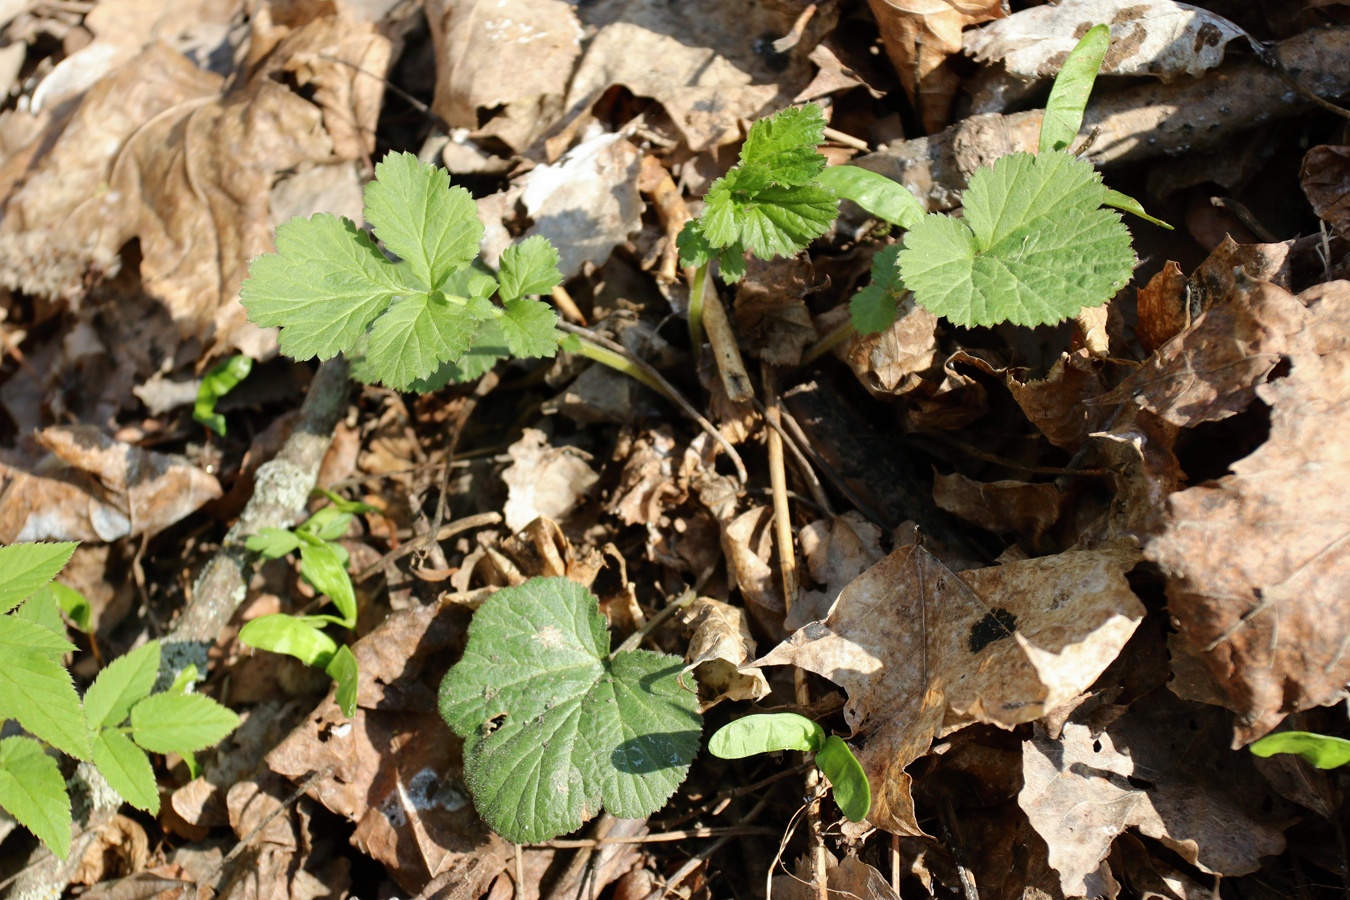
(555, 726)
(118, 723)
(1320, 750)
(775, 732)
(323, 563)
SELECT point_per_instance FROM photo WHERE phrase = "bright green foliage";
(123, 683)
(323, 563)
(770, 203)
(1321, 750)
(33, 792)
(554, 728)
(35, 688)
(888, 200)
(773, 732)
(24, 568)
(1033, 248)
(530, 267)
(127, 769)
(222, 379)
(71, 602)
(1069, 94)
(331, 289)
(873, 307)
(173, 723)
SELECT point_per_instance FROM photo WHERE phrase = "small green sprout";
(1323, 751)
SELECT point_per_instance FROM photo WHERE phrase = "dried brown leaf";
(1326, 181)
(999, 506)
(543, 480)
(1162, 307)
(720, 650)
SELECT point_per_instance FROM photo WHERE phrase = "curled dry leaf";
(92, 488)
(1231, 267)
(1162, 768)
(1258, 562)
(923, 651)
(720, 650)
(771, 317)
(1326, 181)
(543, 480)
(1058, 404)
(1162, 307)
(893, 362)
(852, 879)
(999, 506)
(1148, 37)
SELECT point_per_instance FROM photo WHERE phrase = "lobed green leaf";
(530, 267)
(433, 227)
(783, 146)
(416, 335)
(873, 308)
(530, 328)
(24, 568)
(33, 792)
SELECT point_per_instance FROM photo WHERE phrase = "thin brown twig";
(698, 859)
(664, 836)
(449, 530)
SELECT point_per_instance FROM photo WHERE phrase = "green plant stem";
(827, 343)
(597, 347)
(635, 639)
(696, 289)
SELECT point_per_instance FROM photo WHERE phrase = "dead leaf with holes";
(1258, 562)
(1163, 768)
(720, 651)
(923, 651)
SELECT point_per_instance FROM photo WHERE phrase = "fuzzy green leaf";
(1033, 248)
(1321, 750)
(530, 267)
(178, 723)
(342, 668)
(324, 286)
(693, 245)
(127, 769)
(888, 200)
(24, 568)
(280, 633)
(851, 790)
(36, 690)
(530, 328)
(325, 570)
(33, 792)
(766, 733)
(125, 682)
(489, 348)
(1069, 94)
(783, 146)
(873, 308)
(222, 379)
(416, 335)
(772, 221)
(430, 225)
(554, 729)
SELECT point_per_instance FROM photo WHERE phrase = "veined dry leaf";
(919, 36)
(720, 651)
(851, 879)
(1148, 37)
(1325, 174)
(999, 506)
(1162, 768)
(837, 551)
(892, 363)
(923, 651)
(1058, 404)
(1232, 264)
(92, 488)
(543, 480)
(771, 317)
(1258, 562)
(1162, 307)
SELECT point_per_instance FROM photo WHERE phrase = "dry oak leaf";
(1258, 562)
(93, 488)
(923, 651)
(1325, 175)
(999, 506)
(720, 651)
(919, 36)
(1162, 768)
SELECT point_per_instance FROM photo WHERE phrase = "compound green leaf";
(273, 543)
(530, 328)
(178, 723)
(1069, 94)
(847, 777)
(33, 792)
(1321, 750)
(36, 690)
(324, 286)
(554, 729)
(24, 568)
(888, 200)
(41, 609)
(530, 267)
(767, 733)
(873, 308)
(325, 570)
(280, 633)
(416, 335)
(773, 221)
(342, 668)
(127, 769)
(122, 684)
(1034, 246)
(433, 227)
(222, 379)
(783, 146)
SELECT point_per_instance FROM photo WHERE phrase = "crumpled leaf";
(1258, 562)
(1163, 769)
(92, 488)
(837, 551)
(1148, 37)
(1325, 175)
(720, 650)
(923, 651)
(851, 878)
(543, 480)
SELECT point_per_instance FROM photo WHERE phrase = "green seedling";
(1322, 751)
(116, 725)
(222, 379)
(776, 732)
(323, 563)
(555, 726)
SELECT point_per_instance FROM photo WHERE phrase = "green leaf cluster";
(118, 721)
(417, 323)
(554, 727)
(775, 732)
(323, 563)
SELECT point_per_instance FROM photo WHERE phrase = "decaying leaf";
(893, 362)
(1162, 307)
(720, 650)
(923, 651)
(1326, 181)
(91, 488)
(837, 551)
(999, 506)
(543, 480)
(1258, 562)
(1148, 37)
(850, 879)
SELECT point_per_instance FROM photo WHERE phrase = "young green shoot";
(1322, 751)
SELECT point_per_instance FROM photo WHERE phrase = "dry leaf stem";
(721, 336)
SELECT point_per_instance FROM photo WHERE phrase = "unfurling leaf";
(554, 729)
(222, 379)
(1069, 94)
(280, 633)
(342, 668)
